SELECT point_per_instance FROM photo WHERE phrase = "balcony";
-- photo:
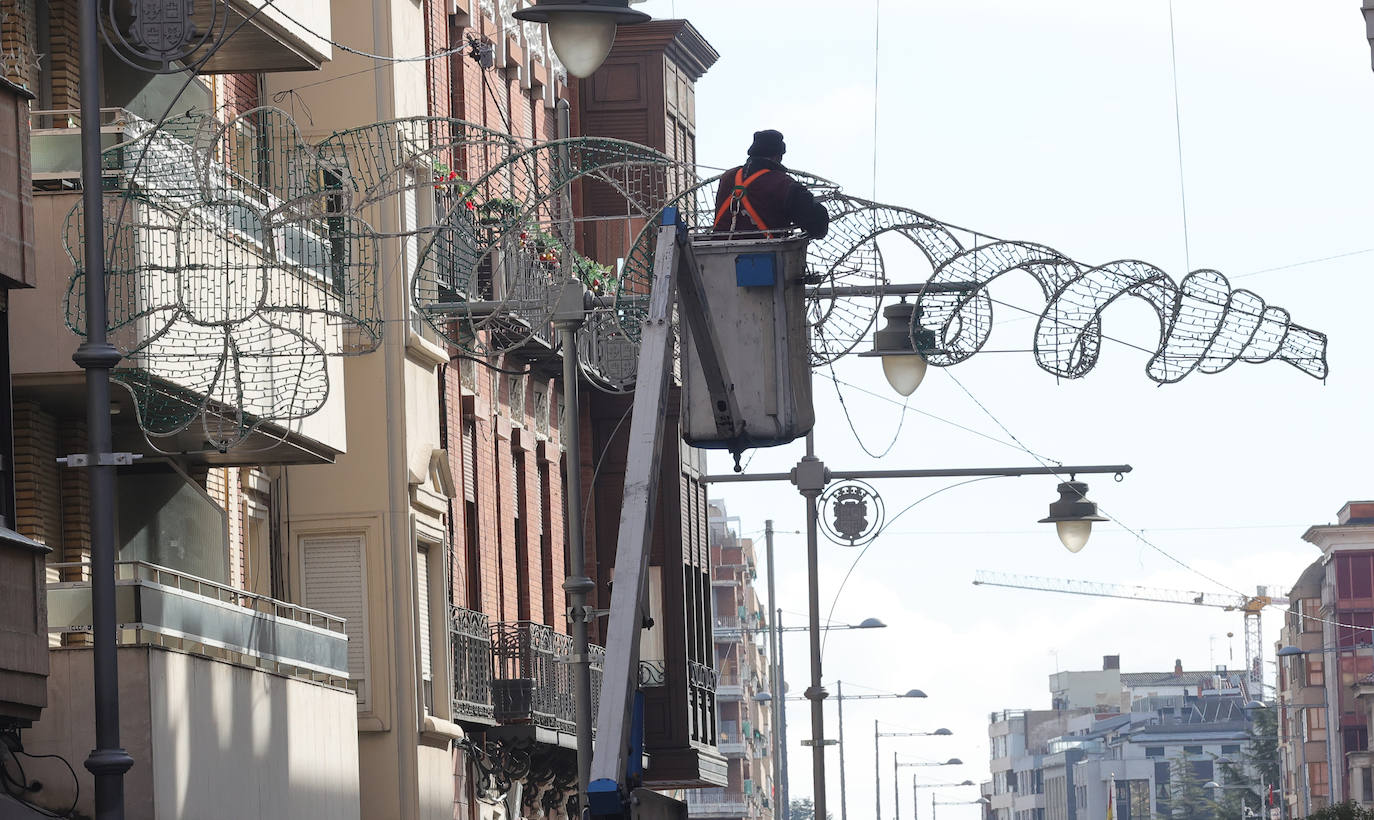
(729, 686)
(532, 682)
(176, 212)
(470, 637)
(157, 606)
(717, 803)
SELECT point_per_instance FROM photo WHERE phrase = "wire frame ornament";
(494, 267)
(233, 271)
(164, 36)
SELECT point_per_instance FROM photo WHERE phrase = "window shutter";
(422, 595)
(470, 463)
(332, 581)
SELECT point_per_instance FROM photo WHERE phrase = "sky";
(1054, 122)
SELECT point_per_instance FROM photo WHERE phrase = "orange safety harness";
(739, 198)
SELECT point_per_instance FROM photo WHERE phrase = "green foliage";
(804, 809)
(1342, 811)
(1187, 798)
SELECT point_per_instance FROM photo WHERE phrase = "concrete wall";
(209, 739)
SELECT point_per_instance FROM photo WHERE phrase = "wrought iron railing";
(470, 635)
(533, 680)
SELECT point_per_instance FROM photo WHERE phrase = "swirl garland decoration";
(1205, 325)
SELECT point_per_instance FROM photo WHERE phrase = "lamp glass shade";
(581, 40)
(1074, 534)
(904, 372)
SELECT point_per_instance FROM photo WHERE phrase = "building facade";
(357, 611)
(745, 720)
(1126, 735)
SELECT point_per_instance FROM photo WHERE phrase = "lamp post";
(916, 795)
(1212, 784)
(877, 765)
(841, 697)
(810, 477)
(582, 31)
(896, 796)
(982, 801)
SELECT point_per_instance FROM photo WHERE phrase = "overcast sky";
(1054, 122)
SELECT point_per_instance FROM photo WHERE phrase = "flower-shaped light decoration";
(234, 269)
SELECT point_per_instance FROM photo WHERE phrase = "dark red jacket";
(779, 200)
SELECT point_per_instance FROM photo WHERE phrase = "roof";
(1166, 678)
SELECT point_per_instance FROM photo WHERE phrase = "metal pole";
(877, 768)
(779, 696)
(577, 584)
(107, 761)
(839, 703)
(958, 472)
(782, 710)
(815, 692)
(916, 798)
(896, 791)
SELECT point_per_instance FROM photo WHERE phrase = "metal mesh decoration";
(233, 270)
(1205, 325)
(493, 267)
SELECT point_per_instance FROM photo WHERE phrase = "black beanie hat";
(768, 144)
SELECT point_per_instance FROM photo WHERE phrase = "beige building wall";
(384, 488)
(211, 740)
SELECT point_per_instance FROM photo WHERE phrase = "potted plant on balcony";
(599, 279)
(497, 210)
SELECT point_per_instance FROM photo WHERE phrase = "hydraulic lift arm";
(618, 752)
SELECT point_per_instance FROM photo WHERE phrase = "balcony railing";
(533, 680)
(470, 636)
(717, 803)
(159, 606)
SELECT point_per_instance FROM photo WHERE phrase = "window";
(423, 556)
(1311, 609)
(1317, 782)
(332, 581)
(522, 541)
(1192, 750)
(1355, 628)
(1355, 575)
(1316, 675)
(1315, 724)
(471, 542)
(1230, 748)
(1355, 738)
(1154, 751)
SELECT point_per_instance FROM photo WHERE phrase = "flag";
(1269, 800)
(1111, 790)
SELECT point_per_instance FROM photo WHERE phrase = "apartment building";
(373, 586)
(745, 723)
(1325, 667)
(1061, 763)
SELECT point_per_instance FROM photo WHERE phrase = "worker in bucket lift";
(759, 198)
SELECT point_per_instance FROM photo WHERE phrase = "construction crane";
(1250, 606)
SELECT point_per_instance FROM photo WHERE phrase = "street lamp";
(983, 801)
(866, 623)
(904, 364)
(841, 697)
(916, 795)
(896, 796)
(877, 765)
(1073, 514)
(582, 31)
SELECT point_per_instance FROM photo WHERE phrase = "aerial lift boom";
(1250, 606)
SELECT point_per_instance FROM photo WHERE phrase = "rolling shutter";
(422, 596)
(332, 582)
